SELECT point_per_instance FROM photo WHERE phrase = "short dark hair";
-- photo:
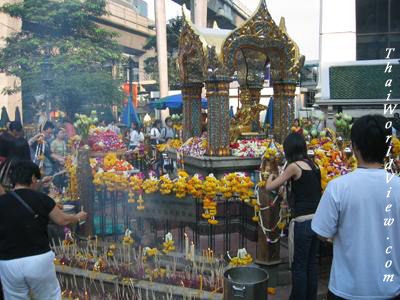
(156, 122)
(21, 172)
(15, 125)
(295, 147)
(48, 125)
(368, 135)
(168, 119)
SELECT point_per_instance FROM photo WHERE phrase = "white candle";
(186, 246)
(192, 251)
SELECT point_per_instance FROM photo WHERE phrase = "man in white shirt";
(360, 212)
(136, 136)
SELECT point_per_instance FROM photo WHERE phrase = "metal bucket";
(249, 283)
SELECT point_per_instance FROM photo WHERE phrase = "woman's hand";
(46, 181)
(82, 216)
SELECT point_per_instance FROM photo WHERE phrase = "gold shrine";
(211, 57)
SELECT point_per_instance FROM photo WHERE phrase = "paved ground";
(283, 292)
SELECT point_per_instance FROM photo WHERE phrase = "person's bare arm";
(61, 218)
(2, 191)
(273, 184)
(34, 139)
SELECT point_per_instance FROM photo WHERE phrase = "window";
(309, 99)
(378, 28)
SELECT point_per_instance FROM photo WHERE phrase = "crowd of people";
(26, 260)
(351, 213)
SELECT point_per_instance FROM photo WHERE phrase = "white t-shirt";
(352, 212)
(155, 135)
(136, 138)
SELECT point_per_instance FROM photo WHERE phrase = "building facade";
(353, 56)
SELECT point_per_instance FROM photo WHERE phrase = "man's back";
(365, 227)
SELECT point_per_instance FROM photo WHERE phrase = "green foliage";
(174, 27)
(78, 50)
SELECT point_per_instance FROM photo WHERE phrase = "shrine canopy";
(174, 102)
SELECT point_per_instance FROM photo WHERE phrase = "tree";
(174, 27)
(79, 50)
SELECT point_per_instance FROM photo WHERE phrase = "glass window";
(394, 42)
(378, 27)
(371, 46)
(395, 16)
(372, 16)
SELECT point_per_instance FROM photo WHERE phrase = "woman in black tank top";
(305, 179)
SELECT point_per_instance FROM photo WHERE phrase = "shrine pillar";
(218, 116)
(191, 95)
(284, 93)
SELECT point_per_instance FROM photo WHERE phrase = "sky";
(174, 9)
(302, 20)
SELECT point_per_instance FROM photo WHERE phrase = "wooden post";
(268, 252)
(86, 189)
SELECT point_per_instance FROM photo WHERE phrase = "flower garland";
(166, 185)
(168, 245)
(180, 186)
(210, 211)
(242, 258)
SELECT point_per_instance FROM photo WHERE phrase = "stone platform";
(217, 165)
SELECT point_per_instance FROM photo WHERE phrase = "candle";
(186, 246)
(201, 282)
(192, 251)
(212, 254)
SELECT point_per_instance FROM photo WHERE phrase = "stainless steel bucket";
(245, 283)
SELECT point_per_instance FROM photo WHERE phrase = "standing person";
(26, 261)
(58, 149)
(155, 133)
(352, 213)
(204, 122)
(168, 132)
(396, 125)
(14, 131)
(20, 151)
(155, 139)
(43, 140)
(305, 178)
(113, 127)
(69, 128)
(136, 137)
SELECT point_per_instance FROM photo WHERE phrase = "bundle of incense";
(170, 295)
(59, 173)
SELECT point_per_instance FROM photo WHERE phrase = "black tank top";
(306, 191)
